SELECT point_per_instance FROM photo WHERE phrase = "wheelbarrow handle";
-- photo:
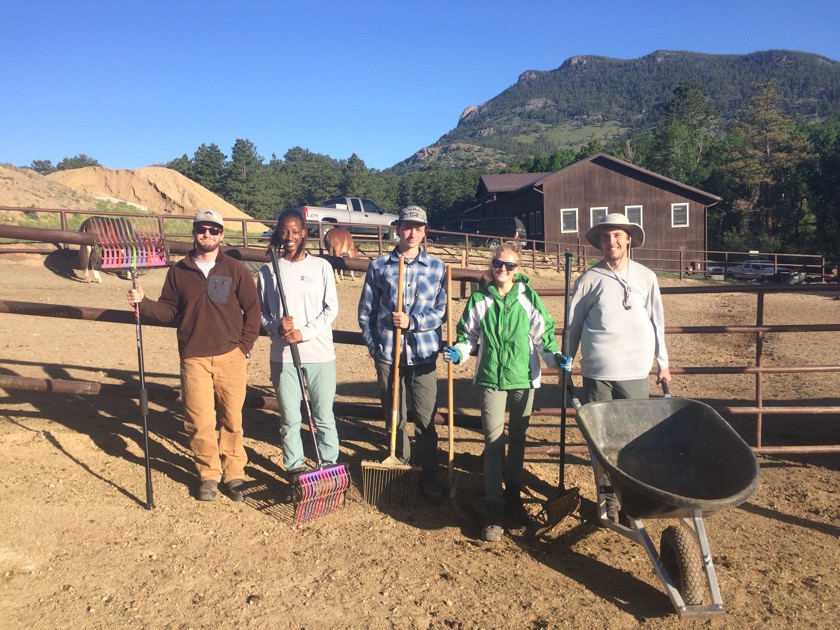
(666, 390)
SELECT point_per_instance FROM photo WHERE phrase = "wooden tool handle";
(395, 368)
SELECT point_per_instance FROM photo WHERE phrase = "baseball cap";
(413, 213)
(209, 216)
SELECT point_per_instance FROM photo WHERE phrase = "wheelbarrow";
(669, 458)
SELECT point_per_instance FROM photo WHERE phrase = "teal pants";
(320, 377)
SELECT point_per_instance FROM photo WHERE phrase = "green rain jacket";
(510, 332)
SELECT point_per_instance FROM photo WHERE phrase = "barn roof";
(515, 182)
(507, 182)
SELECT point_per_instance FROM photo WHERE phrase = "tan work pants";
(208, 382)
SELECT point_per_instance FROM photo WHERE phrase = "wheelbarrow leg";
(698, 529)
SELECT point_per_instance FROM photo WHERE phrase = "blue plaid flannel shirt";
(424, 299)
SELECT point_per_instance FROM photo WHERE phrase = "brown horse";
(339, 242)
(114, 233)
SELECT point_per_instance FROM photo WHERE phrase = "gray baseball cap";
(209, 216)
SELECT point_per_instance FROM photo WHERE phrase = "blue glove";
(563, 362)
(450, 353)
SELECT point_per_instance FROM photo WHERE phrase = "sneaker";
(493, 527)
(235, 489)
(207, 490)
(432, 492)
(295, 471)
(515, 512)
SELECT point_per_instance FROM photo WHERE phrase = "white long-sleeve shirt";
(309, 286)
(617, 344)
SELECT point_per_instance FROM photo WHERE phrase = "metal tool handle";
(565, 375)
(144, 396)
(450, 377)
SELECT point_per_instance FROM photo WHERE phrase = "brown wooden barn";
(560, 207)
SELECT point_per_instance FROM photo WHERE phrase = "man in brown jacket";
(214, 300)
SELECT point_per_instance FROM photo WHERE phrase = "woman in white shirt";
(309, 287)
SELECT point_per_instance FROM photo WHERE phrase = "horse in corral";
(116, 233)
(339, 242)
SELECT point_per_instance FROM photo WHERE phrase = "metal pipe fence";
(758, 368)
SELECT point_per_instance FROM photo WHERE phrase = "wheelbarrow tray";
(669, 457)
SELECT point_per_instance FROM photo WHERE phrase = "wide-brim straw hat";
(616, 221)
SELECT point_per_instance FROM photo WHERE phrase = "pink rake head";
(320, 492)
(125, 246)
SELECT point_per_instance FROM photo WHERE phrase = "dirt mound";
(152, 189)
(159, 190)
(24, 188)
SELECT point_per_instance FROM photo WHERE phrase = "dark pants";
(599, 391)
(419, 388)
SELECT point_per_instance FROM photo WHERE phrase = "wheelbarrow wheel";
(681, 558)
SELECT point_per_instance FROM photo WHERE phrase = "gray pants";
(419, 387)
(598, 391)
(497, 467)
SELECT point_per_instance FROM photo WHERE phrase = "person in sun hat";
(509, 324)
(424, 308)
(214, 301)
(617, 320)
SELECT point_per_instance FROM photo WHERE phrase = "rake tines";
(319, 492)
(385, 483)
(129, 246)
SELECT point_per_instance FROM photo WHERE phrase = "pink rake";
(319, 493)
(126, 247)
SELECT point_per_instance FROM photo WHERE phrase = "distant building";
(560, 207)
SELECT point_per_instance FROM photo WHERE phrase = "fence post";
(759, 377)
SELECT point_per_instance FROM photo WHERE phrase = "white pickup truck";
(359, 215)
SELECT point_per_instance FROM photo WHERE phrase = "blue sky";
(133, 84)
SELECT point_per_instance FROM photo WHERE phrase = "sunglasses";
(498, 264)
(201, 229)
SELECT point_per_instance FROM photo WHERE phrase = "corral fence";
(756, 407)
(253, 233)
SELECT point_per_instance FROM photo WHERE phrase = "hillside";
(599, 98)
(154, 189)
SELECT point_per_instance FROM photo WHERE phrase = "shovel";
(564, 502)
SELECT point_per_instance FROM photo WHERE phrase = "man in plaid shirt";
(424, 308)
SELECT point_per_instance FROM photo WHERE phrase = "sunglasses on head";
(498, 264)
(201, 229)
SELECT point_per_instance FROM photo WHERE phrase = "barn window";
(596, 215)
(538, 224)
(634, 214)
(568, 220)
(679, 215)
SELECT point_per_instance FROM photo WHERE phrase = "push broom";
(391, 481)
(127, 246)
(321, 491)
(564, 502)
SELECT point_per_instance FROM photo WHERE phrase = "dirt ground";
(79, 549)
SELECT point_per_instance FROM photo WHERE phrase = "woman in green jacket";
(510, 326)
